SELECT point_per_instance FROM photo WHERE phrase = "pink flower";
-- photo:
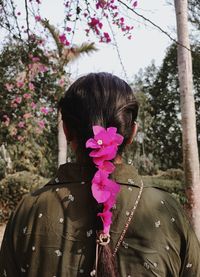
(9, 87)
(20, 138)
(6, 120)
(27, 115)
(135, 3)
(20, 84)
(64, 40)
(44, 110)
(41, 124)
(33, 105)
(27, 95)
(37, 18)
(31, 86)
(105, 143)
(95, 22)
(107, 166)
(68, 29)
(21, 124)
(18, 100)
(102, 187)
(42, 68)
(106, 218)
(106, 38)
(35, 59)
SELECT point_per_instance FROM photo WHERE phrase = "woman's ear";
(134, 132)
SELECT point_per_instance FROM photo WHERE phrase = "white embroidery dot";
(128, 275)
(157, 224)
(155, 264)
(82, 183)
(71, 197)
(146, 265)
(57, 180)
(4, 273)
(188, 265)
(99, 142)
(61, 220)
(24, 230)
(130, 161)
(58, 252)
(130, 188)
(40, 215)
(93, 273)
(125, 244)
(33, 248)
(127, 213)
(162, 202)
(172, 219)
(130, 181)
(57, 189)
(89, 233)
(167, 247)
(23, 270)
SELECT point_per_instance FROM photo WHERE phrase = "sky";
(148, 43)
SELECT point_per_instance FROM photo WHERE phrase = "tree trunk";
(189, 132)
(62, 142)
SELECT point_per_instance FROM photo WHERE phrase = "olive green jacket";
(52, 231)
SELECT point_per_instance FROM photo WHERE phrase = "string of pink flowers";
(105, 146)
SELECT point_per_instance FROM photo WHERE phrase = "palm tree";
(62, 56)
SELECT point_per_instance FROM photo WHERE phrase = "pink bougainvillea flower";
(27, 95)
(31, 86)
(107, 166)
(105, 143)
(21, 124)
(41, 124)
(33, 105)
(20, 84)
(18, 100)
(35, 59)
(37, 18)
(9, 87)
(64, 40)
(106, 217)
(6, 120)
(27, 115)
(68, 29)
(20, 138)
(102, 187)
(44, 110)
(135, 3)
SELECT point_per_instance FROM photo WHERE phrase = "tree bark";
(62, 142)
(189, 132)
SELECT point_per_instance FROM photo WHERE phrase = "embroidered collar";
(77, 173)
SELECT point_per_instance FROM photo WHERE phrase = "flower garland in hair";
(105, 146)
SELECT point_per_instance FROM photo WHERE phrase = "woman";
(96, 217)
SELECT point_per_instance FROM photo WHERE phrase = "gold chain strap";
(129, 220)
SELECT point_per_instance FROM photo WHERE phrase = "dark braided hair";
(105, 100)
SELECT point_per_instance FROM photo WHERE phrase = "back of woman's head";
(98, 99)
(105, 100)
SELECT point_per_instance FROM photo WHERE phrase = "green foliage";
(171, 181)
(13, 187)
(162, 137)
(194, 12)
